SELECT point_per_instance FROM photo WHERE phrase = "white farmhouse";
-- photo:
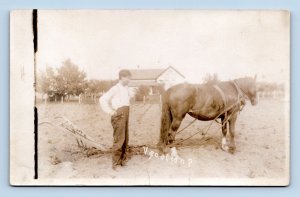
(155, 77)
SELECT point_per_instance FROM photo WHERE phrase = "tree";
(211, 79)
(105, 85)
(159, 89)
(46, 82)
(141, 92)
(269, 87)
(70, 80)
(92, 86)
(66, 80)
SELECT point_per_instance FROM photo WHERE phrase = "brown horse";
(205, 102)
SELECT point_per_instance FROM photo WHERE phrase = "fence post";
(45, 97)
(62, 99)
(160, 101)
(144, 99)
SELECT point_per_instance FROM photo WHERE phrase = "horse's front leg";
(224, 145)
(232, 122)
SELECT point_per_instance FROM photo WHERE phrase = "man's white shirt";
(116, 97)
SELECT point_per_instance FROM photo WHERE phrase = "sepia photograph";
(150, 97)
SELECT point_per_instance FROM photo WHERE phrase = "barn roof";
(149, 74)
(145, 74)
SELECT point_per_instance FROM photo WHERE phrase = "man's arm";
(105, 100)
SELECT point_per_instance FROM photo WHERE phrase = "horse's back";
(180, 93)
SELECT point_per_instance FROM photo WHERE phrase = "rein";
(208, 127)
(241, 93)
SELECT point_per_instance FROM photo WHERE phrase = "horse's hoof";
(231, 150)
(225, 148)
(163, 150)
(166, 150)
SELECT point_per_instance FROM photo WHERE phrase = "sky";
(196, 42)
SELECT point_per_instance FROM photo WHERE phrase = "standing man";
(115, 102)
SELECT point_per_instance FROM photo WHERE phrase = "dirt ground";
(261, 139)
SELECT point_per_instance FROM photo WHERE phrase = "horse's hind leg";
(173, 129)
(224, 132)
(172, 133)
(178, 113)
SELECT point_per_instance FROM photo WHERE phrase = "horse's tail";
(166, 120)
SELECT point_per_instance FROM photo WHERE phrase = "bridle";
(241, 93)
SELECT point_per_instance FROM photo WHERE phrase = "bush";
(141, 92)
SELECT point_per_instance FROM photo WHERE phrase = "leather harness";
(241, 99)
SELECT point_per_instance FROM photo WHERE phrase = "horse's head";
(248, 88)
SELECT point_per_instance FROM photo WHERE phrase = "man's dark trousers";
(119, 122)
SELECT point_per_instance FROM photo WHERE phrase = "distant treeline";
(68, 80)
(261, 86)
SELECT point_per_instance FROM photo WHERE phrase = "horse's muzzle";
(254, 101)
